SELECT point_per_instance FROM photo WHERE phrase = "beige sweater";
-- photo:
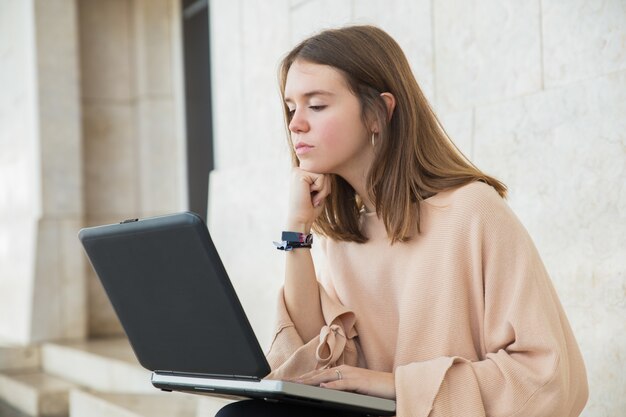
(464, 314)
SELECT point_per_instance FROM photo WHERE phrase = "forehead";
(304, 77)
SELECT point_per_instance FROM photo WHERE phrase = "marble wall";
(91, 132)
(533, 92)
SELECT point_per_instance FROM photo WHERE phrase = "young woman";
(431, 292)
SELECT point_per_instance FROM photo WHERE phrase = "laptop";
(183, 319)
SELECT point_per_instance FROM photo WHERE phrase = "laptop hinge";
(214, 376)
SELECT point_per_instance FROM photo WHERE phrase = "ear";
(390, 102)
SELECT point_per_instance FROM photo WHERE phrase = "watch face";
(297, 237)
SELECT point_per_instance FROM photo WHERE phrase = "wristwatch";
(293, 240)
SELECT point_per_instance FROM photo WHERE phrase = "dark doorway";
(196, 58)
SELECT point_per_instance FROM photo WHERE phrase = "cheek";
(340, 133)
(331, 132)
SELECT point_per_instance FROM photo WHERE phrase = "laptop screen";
(173, 297)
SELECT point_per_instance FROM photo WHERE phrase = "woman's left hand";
(350, 378)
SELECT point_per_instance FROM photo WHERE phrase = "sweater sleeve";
(531, 364)
(289, 356)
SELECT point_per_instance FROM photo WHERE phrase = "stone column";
(132, 126)
(42, 291)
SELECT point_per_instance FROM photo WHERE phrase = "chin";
(315, 168)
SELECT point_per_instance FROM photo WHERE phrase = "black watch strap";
(294, 240)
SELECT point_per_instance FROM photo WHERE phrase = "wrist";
(300, 227)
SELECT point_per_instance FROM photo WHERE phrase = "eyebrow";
(311, 94)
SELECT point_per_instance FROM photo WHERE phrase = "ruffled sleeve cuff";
(289, 356)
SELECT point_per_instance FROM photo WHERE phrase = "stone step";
(8, 411)
(92, 404)
(35, 393)
(105, 365)
(18, 357)
(114, 384)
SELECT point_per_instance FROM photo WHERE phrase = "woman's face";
(327, 131)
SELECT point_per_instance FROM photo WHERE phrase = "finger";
(323, 192)
(315, 379)
(325, 189)
(342, 385)
(317, 196)
(318, 377)
(318, 182)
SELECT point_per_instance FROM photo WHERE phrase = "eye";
(317, 108)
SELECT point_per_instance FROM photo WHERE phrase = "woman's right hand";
(306, 199)
(301, 290)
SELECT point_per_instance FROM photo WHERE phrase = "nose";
(298, 123)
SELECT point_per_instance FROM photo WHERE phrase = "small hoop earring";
(373, 139)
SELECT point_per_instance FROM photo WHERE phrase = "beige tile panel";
(251, 201)
(19, 172)
(59, 304)
(110, 159)
(226, 83)
(61, 170)
(18, 237)
(61, 159)
(297, 3)
(409, 22)
(316, 15)
(265, 40)
(153, 45)
(59, 106)
(562, 154)
(107, 49)
(485, 51)
(459, 125)
(161, 167)
(599, 332)
(73, 281)
(582, 39)
(20, 177)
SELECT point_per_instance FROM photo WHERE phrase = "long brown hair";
(414, 157)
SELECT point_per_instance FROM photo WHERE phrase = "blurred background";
(115, 109)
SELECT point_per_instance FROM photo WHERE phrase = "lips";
(302, 148)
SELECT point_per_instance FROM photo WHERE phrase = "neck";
(358, 181)
(355, 173)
